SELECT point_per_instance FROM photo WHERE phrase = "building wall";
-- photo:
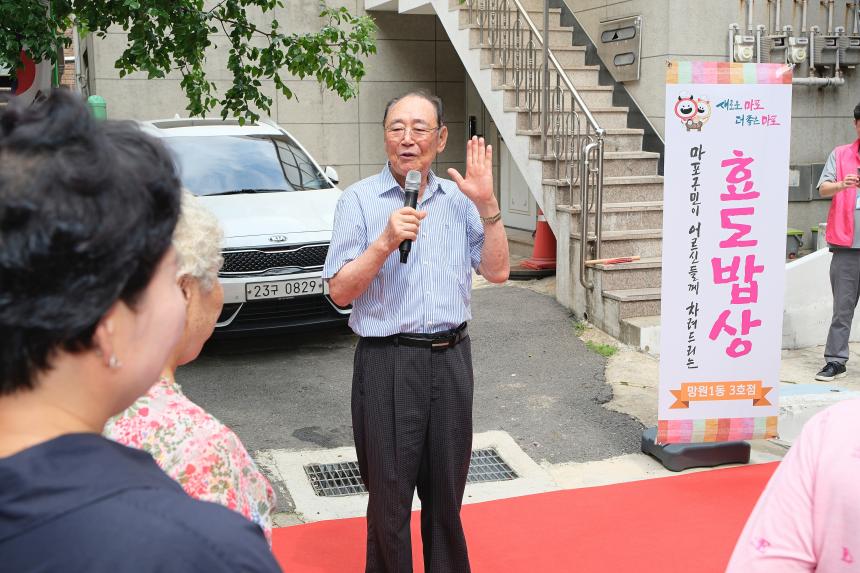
(697, 29)
(412, 52)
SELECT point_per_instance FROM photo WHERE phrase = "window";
(220, 165)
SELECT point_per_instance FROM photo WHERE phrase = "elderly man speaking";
(412, 381)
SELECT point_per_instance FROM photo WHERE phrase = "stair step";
(557, 37)
(593, 96)
(641, 264)
(642, 242)
(642, 332)
(617, 139)
(633, 294)
(579, 76)
(615, 189)
(622, 216)
(536, 17)
(644, 273)
(615, 164)
(633, 302)
(627, 207)
(606, 117)
(535, 6)
(566, 55)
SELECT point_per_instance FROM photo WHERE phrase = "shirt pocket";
(454, 245)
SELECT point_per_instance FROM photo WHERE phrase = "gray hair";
(423, 94)
(197, 241)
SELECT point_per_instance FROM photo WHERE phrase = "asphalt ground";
(533, 379)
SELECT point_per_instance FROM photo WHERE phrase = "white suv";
(276, 207)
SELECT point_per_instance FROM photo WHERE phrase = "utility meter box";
(773, 49)
(620, 45)
(797, 51)
(744, 49)
(827, 47)
(851, 50)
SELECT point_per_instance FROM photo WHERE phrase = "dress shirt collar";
(389, 183)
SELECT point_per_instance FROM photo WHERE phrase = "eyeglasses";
(418, 133)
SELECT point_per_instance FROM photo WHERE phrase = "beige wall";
(698, 29)
(412, 52)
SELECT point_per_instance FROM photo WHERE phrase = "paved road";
(533, 379)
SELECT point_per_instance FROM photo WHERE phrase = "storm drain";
(342, 479)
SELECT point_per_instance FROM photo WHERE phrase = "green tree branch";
(167, 35)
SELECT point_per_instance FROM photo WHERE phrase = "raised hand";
(478, 183)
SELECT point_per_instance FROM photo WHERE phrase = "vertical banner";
(725, 204)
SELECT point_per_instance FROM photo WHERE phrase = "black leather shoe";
(831, 371)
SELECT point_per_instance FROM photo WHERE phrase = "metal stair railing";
(570, 135)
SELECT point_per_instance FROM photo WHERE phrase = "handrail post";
(545, 92)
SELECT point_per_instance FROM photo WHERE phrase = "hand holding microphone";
(410, 200)
(403, 224)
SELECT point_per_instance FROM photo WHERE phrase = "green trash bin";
(98, 106)
(814, 236)
(793, 242)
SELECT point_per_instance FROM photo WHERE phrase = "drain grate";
(488, 465)
(342, 479)
(335, 480)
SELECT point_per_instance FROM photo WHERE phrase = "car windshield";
(228, 164)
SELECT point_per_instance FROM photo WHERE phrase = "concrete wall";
(809, 302)
(697, 29)
(412, 52)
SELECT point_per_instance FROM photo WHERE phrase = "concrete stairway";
(633, 191)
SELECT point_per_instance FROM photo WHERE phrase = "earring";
(114, 362)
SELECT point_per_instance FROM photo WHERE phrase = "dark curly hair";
(87, 211)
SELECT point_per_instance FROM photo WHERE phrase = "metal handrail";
(570, 135)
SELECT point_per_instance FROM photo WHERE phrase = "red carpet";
(682, 523)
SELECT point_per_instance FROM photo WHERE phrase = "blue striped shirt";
(433, 290)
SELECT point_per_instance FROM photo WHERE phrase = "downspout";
(76, 43)
(750, 15)
(856, 26)
(733, 31)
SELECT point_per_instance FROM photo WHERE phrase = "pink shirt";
(808, 518)
(194, 448)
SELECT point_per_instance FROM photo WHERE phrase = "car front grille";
(285, 314)
(259, 261)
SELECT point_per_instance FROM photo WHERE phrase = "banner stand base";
(679, 457)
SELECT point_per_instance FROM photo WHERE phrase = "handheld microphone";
(413, 185)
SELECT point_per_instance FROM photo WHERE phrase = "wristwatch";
(494, 219)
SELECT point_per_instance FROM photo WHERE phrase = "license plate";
(283, 289)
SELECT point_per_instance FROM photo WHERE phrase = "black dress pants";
(412, 423)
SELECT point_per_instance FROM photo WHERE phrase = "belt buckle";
(445, 343)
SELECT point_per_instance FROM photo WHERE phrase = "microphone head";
(413, 180)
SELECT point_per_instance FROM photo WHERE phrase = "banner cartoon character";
(693, 112)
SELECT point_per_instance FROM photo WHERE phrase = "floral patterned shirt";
(195, 449)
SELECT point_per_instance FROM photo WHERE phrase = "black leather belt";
(436, 341)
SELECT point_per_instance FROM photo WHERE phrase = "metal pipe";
(819, 82)
(829, 16)
(584, 185)
(733, 31)
(812, 33)
(803, 8)
(776, 21)
(758, 32)
(750, 7)
(545, 92)
(76, 43)
(856, 25)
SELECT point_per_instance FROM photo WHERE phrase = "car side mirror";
(331, 173)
